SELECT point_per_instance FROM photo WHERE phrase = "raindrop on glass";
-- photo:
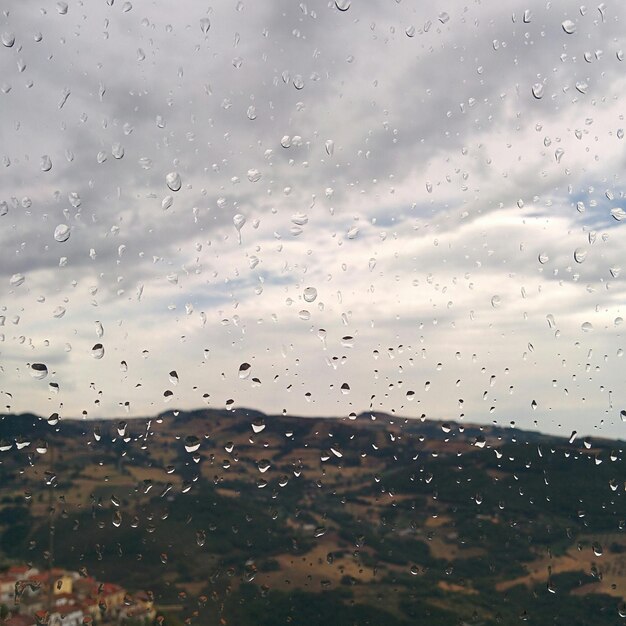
(173, 181)
(310, 294)
(62, 233)
(569, 27)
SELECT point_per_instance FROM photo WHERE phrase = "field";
(306, 520)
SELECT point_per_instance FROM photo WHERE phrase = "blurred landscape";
(236, 517)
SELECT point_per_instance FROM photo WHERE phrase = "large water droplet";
(538, 90)
(569, 27)
(8, 39)
(618, 214)
(239, 220)
(254, 176)
(173, 181)
(16, 280)
(62, 233)
(38, 371)
(310, 294)
(205, 25)
(342, 5)
(97, 352)
(580, 254)
(244, 370)
(192, 443)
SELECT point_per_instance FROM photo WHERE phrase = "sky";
(408, 207)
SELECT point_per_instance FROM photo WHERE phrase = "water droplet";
(173, 181)
(97, 352)
(38, 371)
(16, 280)
(586, 327)
(258, 426)
(254, 175)
(444, 17)
(342, 5)
(597, 548)
(8, 39)
(46, 163)
(117, 150)
(543, 258)
(263, 465)
(569, 27)
(622, 415)
(538, 90)
(496, 301)
(330, 147)
(61, 8)
(167, 202)
(310, 294)
(192, 444)
(410, 31)
(239, 220)
(205, 25)
(244, 370)
(618, 214)
(580, 254)
(62, 233)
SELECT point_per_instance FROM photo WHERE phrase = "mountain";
(238, 517)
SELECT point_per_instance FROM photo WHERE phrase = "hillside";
(242, 518)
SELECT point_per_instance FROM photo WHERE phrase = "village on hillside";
(30, 597)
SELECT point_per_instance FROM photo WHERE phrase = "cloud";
(414, 181)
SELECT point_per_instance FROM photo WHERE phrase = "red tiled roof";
(7, 579)
(19, 620)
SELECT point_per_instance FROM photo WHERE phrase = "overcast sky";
(431, 197)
